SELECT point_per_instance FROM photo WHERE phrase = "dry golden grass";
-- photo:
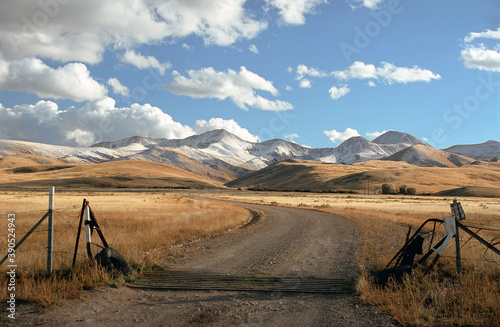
(9, 162)
(111, 174)
(143, 227)
(319, 176)
(439, 299)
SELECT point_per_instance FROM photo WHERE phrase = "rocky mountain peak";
(394, 137)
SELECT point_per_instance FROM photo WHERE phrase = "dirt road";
(287, 242)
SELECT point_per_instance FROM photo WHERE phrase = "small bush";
(411, 191)
(388, 189)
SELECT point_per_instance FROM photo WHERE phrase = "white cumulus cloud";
(93, 122)
(478, 56)
(372, 4)
(336, 136)
(202, 126)
(240, 87)
(374, 135)
(118, 88)
(357, 70)
(292, 11)
(101, 120)
(71, 81)
(387, 72)
(481, 58)
(83, 30)
(144, 62)
(304, 71)
(305, 83)
(338, 92)
(221, 22)
(291, 137)
(488, 34)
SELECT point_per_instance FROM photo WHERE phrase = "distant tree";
(411, 191)
(402, 189)
(387, 189)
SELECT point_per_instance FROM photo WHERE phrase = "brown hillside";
(426, 156)
(317, 176)
(131, 174)
(484, 192)
(21, 161)
(176, 158)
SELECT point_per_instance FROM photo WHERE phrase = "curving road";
(287, 241)
(291, 242)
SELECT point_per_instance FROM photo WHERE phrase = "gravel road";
(285, 242)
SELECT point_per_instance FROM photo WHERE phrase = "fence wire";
(32, 254)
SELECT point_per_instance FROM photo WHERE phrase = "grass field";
(114, 174)
(321, 176)
(439, 299)
(143, 227)
(146, 226)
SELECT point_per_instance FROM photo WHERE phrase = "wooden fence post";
(50, 242)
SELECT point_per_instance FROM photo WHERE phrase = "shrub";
(387, 189)
(411, 191)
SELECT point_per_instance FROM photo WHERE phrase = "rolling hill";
(426, 156)
(486, 150)
(217, 158)
(112, 174)
(319, 176)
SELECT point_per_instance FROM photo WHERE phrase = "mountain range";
(223, 157)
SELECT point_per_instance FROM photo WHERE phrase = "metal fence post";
(50, 243)
(88, 230)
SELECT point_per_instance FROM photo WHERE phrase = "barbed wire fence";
(476, 245)
(31, 256)
(32, 228)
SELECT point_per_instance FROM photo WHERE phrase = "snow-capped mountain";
(63, 153)
(219, 145)
(221, 148)
(358, 149)
(393, 137)
(393, 142)
(486, 150)
(277, 150)
(221, 155)
(426, 156)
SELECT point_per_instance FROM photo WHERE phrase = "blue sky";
(312, 71)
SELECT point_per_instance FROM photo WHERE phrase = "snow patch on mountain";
(62, 153)
(486, 150)
(277, 150)
(394, 137)
(426, 156)
(218, 150)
